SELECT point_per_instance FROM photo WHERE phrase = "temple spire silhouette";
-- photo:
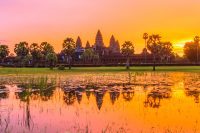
(78, 42)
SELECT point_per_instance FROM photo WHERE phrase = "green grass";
(97, 69)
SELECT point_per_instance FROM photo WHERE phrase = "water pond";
(101, 103)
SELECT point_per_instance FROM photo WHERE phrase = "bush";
(61, 67)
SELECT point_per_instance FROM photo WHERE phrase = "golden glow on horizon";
(179, 46)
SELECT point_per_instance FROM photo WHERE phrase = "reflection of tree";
(99, 99)
(25, 97)
(31, 92)
(195, 93)
(155, 96)
(46, 94)
(191, 87)
(35, 92)
(4, 95)
(114, 95)
(70, 97)
(3, 92)
(128, 93)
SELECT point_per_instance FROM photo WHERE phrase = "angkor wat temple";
(109, 54)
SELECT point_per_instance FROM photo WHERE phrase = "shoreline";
(25, 70)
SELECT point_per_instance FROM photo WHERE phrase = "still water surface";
(103, 102)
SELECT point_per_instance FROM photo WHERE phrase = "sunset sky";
(54, 20)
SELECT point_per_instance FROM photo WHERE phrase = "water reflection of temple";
(114, 95)
(73, 95)
(99, 99)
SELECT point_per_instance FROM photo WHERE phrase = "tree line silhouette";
(35, 53)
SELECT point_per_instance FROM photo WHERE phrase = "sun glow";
(179, 46)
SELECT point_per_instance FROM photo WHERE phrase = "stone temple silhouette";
(99, 47)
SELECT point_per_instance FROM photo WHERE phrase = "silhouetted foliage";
(22, 51)
(46, 48)
(145, 37)
(128, 50)
(68, 50)
(52, 59)
(153, 45)
(4, 52)
(191, 50)
(36, 53)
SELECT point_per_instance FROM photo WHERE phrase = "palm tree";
(196, 40)
(46, 48)
(35, 51)
(145, 37)
(153, 44)
(22, 51)
(52, 59)
(68, 50)
(166, 51)
(128, 50)
(4, 51)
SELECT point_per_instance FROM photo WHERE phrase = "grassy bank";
(97, 69)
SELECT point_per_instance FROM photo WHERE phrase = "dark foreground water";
(101, 102)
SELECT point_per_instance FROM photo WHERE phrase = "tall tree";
(46, 48)
(35, 52)
(52, 59)
(127, 50)
(153, 45)
(190, 51)
(4, 52)
(166, 51)
(196, 41)
(145, 37)
(68, 50)
(22, 51)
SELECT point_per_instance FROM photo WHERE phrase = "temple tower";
(99, 40)
(78, 43)
(87, 46)
(117, 48)
(114, 47)
(99, 44)
(112, 42)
